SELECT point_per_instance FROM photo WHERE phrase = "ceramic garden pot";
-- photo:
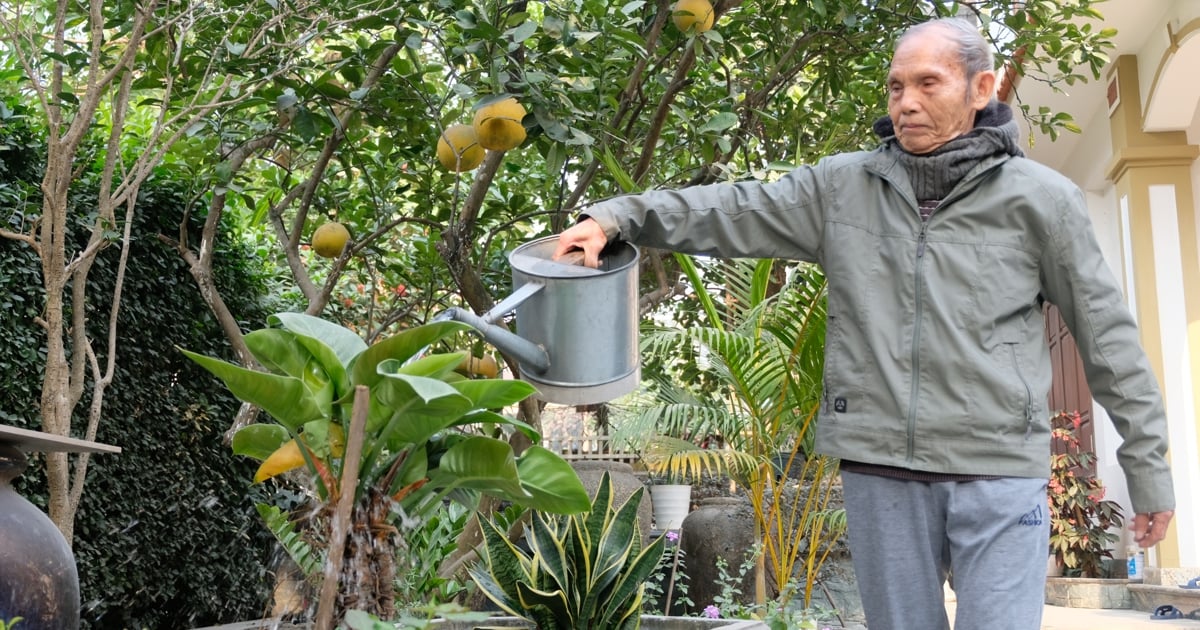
(38, 579)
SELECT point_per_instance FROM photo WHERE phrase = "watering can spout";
(528, 353)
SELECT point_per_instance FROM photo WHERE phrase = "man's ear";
(983, 88)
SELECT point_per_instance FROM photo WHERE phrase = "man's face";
(930, 100)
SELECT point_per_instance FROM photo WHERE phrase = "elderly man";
(940, 247)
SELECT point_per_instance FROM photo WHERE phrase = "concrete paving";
(1062, 618)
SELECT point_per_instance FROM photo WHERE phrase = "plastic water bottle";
(1137, 562)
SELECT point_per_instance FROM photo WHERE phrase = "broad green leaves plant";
(582, 571)
(413, 449)
(420, 443)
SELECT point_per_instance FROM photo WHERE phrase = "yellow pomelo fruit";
(458, 149)
(498, 125)
(689, 14)
(485, 366)
(330, 239)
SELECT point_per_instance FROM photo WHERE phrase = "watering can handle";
(510, 303)
(573, 257)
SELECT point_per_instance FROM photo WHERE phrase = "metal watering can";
(577, 327)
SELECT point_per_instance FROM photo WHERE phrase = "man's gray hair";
(974, 52)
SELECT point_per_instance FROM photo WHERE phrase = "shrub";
(1081, 519)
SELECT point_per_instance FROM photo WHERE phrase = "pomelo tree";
(287, 115)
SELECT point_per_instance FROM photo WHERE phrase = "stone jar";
(721, 527)
(38, 578)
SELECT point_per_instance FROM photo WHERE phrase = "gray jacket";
(936, 357)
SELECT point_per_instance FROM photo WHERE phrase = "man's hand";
(586, 235)
(1150, 529)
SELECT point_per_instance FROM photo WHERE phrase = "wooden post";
(341, 517)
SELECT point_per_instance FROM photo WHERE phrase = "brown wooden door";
(1069, 391)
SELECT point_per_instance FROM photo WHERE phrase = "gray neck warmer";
(934, 175)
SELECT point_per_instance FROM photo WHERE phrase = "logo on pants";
(1032, 518)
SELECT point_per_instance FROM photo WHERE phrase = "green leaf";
(551, 482)
(400, 347)
(551, 553)
(554, 601)
(430, 391)
(687, 263)
(283, 353)
(482, 463)
(616, 541)
(278, 351)
(524, 31)
(286, 398)
(495, 393)
(486, 417)
(433, 366)
(762, 281)
(259, 440)
(720, 122)
(345, 344)
(623, 179)
(419, 407)
(305, 124)
(630, 583)
(332, 90)
(504, 565)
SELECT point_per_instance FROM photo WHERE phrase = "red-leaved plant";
(1083, 524)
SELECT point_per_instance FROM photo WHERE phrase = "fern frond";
(683, 461)
(300, 551)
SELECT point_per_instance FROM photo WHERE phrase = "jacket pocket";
(1025, 390)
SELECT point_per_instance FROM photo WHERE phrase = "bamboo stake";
(341, 517)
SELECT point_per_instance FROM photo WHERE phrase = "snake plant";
(585, 570)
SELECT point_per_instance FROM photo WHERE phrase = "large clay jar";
(721, 527)
(38, 579)
(624, 483)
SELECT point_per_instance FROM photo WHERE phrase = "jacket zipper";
(916, 343)
(1012, 350)
(958, 191)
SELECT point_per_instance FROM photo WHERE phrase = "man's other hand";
(1150, 529)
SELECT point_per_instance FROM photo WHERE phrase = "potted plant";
(673, 465)
(1083, 524)
(420, 444)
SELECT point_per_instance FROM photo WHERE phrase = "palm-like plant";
(751, 378)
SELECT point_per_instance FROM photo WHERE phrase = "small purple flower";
(712, 612)
(672, 535)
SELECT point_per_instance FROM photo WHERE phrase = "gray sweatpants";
(906, 537)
